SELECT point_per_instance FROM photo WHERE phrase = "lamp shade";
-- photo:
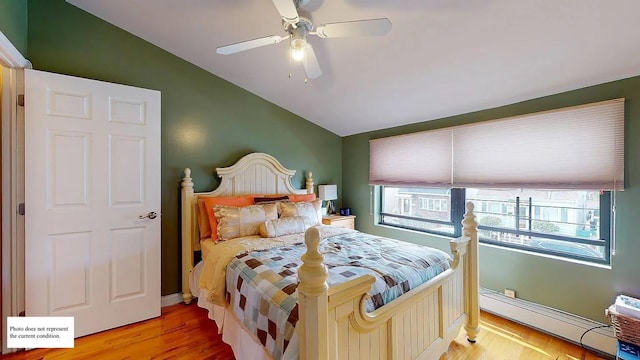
(327, 192)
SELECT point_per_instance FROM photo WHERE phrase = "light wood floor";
(184, 332)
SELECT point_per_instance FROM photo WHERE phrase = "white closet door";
(92, 170)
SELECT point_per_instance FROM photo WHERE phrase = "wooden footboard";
(418, 325)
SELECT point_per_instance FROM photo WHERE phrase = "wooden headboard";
(256, 173)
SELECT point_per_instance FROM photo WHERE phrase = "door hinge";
(21, 209)
(21, 99)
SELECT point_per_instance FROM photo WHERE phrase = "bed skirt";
(234, 333)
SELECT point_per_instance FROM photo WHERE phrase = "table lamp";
(328, 193)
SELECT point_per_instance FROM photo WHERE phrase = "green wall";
(207, 122)
(13, 23)
(576, 288)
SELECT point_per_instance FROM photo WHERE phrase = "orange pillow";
(203, 220)
(303, 197)
(209, 202)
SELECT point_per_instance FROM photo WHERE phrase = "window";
(585, 143)
(404, 205)
(573, 224)
(431, 204)
(424, 203)
(432, 214)
(563, 223)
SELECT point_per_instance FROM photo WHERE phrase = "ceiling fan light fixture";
(297, 54)
(298, 42)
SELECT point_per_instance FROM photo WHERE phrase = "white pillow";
(285, 226)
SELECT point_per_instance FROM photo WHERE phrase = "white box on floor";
(627, 305)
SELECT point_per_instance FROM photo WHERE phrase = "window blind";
(418, 159)
(579, 147)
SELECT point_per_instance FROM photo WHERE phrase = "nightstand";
(348, 221)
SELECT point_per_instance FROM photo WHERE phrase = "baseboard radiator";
(555, 322)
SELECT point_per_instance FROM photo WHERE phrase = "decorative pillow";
(203, 220)
(270, 199)
(236, 222)
(285, 226)
(210, 202)
(302, 197)
(308, 209)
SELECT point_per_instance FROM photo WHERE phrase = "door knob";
(150, 215)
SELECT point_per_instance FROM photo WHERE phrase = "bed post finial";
(312, 273)
(187, 182)
(470, 230)
(309, 184)
(313, 301)
(186, 207)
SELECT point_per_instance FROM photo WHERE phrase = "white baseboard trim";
(171, 299)
(555, 322)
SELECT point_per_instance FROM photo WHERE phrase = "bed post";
(309, 183)
(472, 282)
(313, 301)
(187, 246)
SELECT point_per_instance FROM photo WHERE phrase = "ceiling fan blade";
(310, 62)
(372, 27)
(287, 10)
(249, 44)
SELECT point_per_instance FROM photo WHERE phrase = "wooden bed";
(332, 321)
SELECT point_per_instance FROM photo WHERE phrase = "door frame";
(12, 129)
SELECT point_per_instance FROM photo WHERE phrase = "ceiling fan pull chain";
(290, 74)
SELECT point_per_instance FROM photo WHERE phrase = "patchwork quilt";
(261, 285)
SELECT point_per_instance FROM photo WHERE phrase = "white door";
(92, 170)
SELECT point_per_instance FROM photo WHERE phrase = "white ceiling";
(441, 58)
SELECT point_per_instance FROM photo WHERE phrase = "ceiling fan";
(299, 26)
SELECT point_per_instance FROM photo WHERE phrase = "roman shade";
(579, 147)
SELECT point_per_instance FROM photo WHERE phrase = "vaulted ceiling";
(441, 57)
